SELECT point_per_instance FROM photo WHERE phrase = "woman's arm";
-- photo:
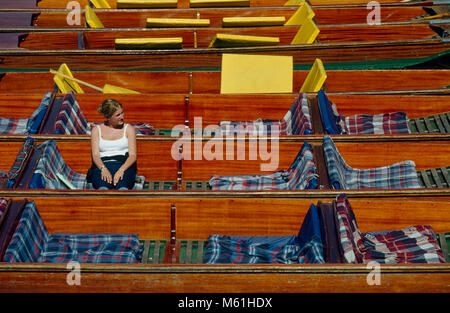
(132, 153)
(95, 151)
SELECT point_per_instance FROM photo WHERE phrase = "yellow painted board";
(303, 13)
(91, 18)
(177, 22)
(253, 21)
(142, 4)
(100, 4)
(294, 2)
(219, 3)
(228, 40)
(149, 43)
(243, 73)
(66, 85)
(307, 33)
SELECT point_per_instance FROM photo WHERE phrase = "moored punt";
(387, 46)
(209, 82)
(119, 18)
(180, 226)
(160, 160)
(165, 112)
(186, 3)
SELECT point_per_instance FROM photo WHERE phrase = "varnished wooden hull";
(158, 160)
(208, 82)
(117, 18)
(394, 54)
(198, 218)
(185, 3)
(165, 111)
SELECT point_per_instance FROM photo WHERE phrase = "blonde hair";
(108, 107)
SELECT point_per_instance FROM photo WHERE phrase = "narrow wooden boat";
(387, 46)
(120, 18)
(180, 226)
(161, 160)
(186, 3)
(209, 82)
(165, 112)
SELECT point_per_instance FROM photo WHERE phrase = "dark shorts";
(127, 182)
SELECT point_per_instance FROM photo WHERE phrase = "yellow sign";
(243, 73)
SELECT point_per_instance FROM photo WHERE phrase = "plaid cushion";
(307, 247)
(342, 176)
(335, 123)
(24, 126)
(297, 121)
(71, 120)
(411, 245)
(22, 155)
(92, 248)
(300, 175)
(3, 205)
(387, 123)
(29, 238)
(32, 243)
(52, 162)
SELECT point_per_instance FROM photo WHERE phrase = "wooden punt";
(209, 82)
(52, 4)
(120, 18)
(164, 112)
(159, 160)
(175, 223)
(389, 46)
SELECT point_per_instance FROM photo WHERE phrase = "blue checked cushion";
(306, 247)
(342, 176)
(31, 242)
(52, 162)
(387, 123)
(26, 126)
(222, 249)
(21, 157)
(415, 244)
(335, 123)
(71, 120)
(297, 121)
(302, 174)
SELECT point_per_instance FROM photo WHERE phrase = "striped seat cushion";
(71, 120)
(335, 123)
(342, 176)
(306, 247)
(302, 174)
(297, 121)
(52, 163)
(31, 242)
(415, 244)
(26, 126)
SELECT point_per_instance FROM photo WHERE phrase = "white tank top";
(113, 147)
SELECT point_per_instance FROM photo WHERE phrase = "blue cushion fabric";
(31, 242)
(26, 126)
(71, 120)
(342, 176)
(307, 247)
(52, 162)
(297, 121)
(302, 174)
(415, 244)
